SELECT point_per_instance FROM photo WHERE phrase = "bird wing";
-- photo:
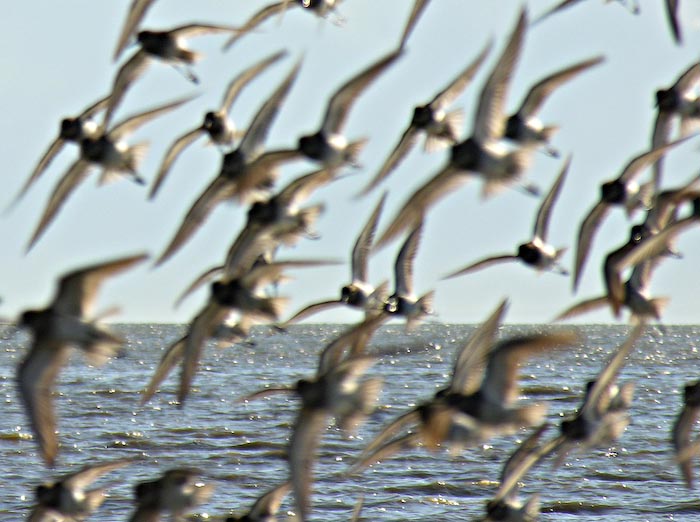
(418, 8)
(363, 244)
(539, 92)
(483, 263)
(49, 155)
(77, 290)
(545, 211)
(131, 124)
(127, 74)
(489, 122)
(171, 155)
(589, 227)
(450, 93)
(243, 79)
(269, 503)
(255, 20)
(137, 10)
(64, 188)
(254, 139)
(172, 356)
(303, 443)
(340, 103)
(36, 375)
(405, 144)
(403, 267)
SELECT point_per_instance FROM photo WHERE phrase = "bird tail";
(188, 56)
(353, 151)
(272, 307)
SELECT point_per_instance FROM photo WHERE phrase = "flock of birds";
(481, 400)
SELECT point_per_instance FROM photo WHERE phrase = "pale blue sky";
(57, 60)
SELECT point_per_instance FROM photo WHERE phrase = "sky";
(58, 60)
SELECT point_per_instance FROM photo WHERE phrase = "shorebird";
(321, 8)
(359, 293)
(441, 128)
(107, 150)
(328, 145)
(66, 323)
(245, 174)
(217, 124)
(680, 434)
(265, 507)
(68, 498)
(73, 130)
(335, 391)
(404, 302)
(524, 127)
(623, 191)
(482, 154)
(536, 253)
(678, 103)
(176, 492)
(167, 46)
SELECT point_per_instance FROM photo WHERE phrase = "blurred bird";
(536, 253)
(335, 391)
(217, 125)
(67, 498)
(680, 434)
(680, 103)
(167, 46)
(359, 293)
(672, 16)
(328, 145)
(524, 127)
(137, 10)
(481, 154)
(416, 12)
(604, 414)
(265, 507)
(622, 191)
(73, 130)
(403, 301)
(441, 128)
(176, 492)
(65, 324)
(321, 8)
(246, 173)
(632, 5)
(108, 151)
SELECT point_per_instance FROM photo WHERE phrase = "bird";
(481, 154)
(167, 46)
(265, 507)
(481, 399)
(245, 173)
(68, 498)
(505, 506)
(679, 102)
(623, 191)
(64, 324)
(403, 302)
(359, 293)
(328, 145)
(524, 127)
(176, 492)
(217, 125)
(536, 253)
(680, 433)
(603, 416)
(321, 8)
(136, 13)
(72, 129)
(441, 128)
(335, 390)
(108, 151)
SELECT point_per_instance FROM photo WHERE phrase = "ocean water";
(241, 446)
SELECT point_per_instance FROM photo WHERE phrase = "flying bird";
(536, 253)
(217, 125)
(108, 151)
(66, 323)
(481, 154)
(245, 174)
(167, 46)
(73, 130)
(136, 13)
(441, 128)
(68, 498)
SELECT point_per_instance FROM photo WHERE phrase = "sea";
(240, 446)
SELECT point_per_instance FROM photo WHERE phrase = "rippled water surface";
(241, 446)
